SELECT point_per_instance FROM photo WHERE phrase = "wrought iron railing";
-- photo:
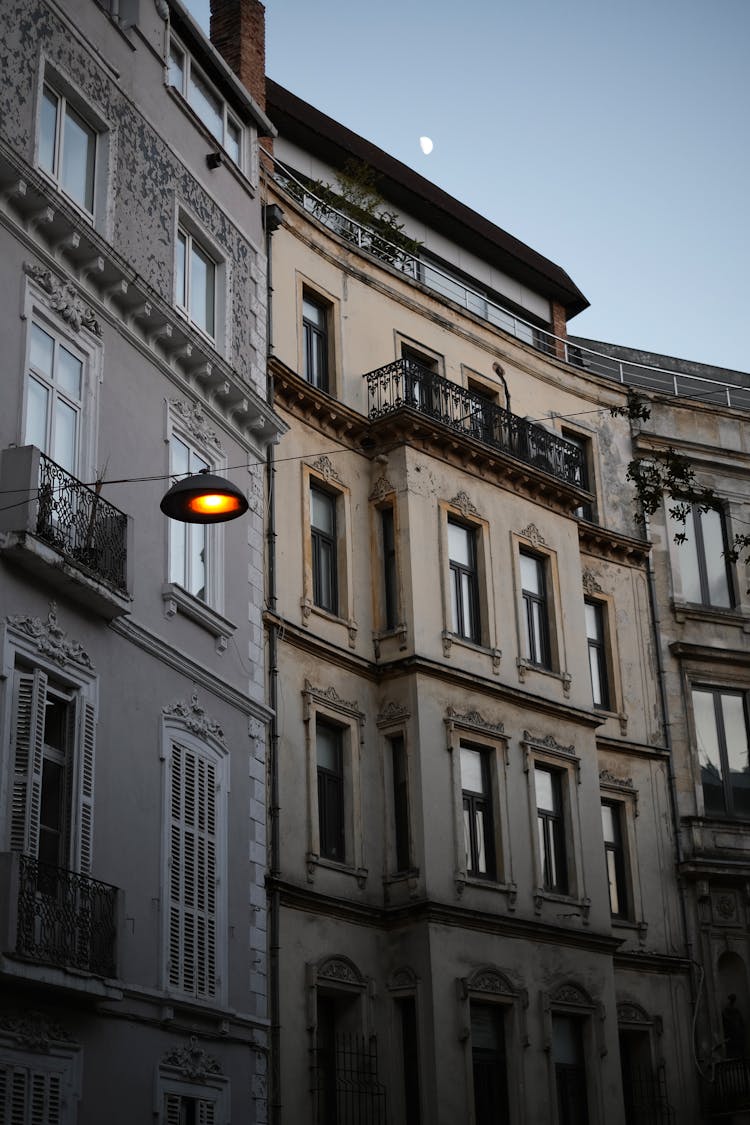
(81, 524)
(347, 1087)
(729, 1092)
(646, 1101)
(66, 919)
(406, 384)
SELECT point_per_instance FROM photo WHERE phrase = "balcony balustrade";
(406, 384)
(729, 1092)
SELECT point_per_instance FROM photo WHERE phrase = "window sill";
(314, 861)
(582, 906)
(309, 608)
(463, 880)
(525, 666)
(694, 611)
(177, 600)
(397, 633)
(87, 216)
(449, 639)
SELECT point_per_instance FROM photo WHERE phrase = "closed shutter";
(176, 1110)
(30, 1097)
(193, 874)
(85, 767)
(28, 745)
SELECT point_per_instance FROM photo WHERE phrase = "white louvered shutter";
(205, 1111)
(172, 1109)
(193, 874)
(28, 747)
(85, 766)
(30, 1097)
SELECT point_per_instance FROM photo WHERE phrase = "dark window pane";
(390, 588)
(400, 804)
(489, 1066)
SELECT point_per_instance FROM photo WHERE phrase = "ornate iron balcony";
(729, 1092)
(81, 524)
(66, 919)
(406, 384)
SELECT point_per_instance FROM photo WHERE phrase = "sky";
(612, 136)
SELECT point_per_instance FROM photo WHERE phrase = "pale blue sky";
(610, 135)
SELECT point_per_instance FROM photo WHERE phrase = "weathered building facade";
(132, 717)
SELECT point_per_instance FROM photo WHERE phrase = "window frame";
(464, 586)
(600, 645)
(617, 849)
(230, 119)
(212, 1088)
(531, 542)
(553, 853)
(401, 850)
(461, 512)
(697, 545)
(309, 290)
(717, 692)
(69, 102)
(548, 754)
(183, 307)
(322, 476)
(389, 571)
(61, 1060)
(323, 541)
(537, 643)
(331, 793)
(587, 480)
(314, 337)
(479, 802)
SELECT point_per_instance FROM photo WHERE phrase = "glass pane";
(566, 1041)
(466, 605)
(48, 130)
(471, 770)
(176, 68)
(454, 585)
(79, 146)
(688, 560)
(459, 549)
(180, 457)
(41, 351)
(322, 511)
(314, 313)
(544, 790)
(614, 897)
(593, 622)
(69, 369)
(608, 824)
(36, 415)
(180, 294)
(232, 141)
(735, 730)
(201, 290)
(708, 751)
(197, 545)
(327, 741)
(531, 578)
(537, 625)
(52, 789)
(595, 667)
(467, 836)
(716, 566)
(64, 442)
(206, 104)
(177, 549)
(481, 853)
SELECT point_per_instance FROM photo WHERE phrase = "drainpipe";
(272, 216)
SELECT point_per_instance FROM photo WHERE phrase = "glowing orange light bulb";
(214, 503)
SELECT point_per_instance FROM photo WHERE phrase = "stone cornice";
(315, 407)
(612, 546)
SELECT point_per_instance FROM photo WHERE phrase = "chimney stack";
(238, 32)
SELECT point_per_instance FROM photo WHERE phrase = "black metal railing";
(646, 1101)
(729, 1092)
(347, 1087)
(81, 524)
(405, 383)
(66, 919)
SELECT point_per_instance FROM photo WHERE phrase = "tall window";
(400, 803)
(535, 610)
(721, 731)
(185, 76)
(390, 574)
(180, 1109)
(324, 549)
(706, 578)
(614, 856)
(330, 765)
(54, 393)
(406, 1007)
(598, 668)
(477, 809)
(551, 829)
(570, 1070)
(464, 581)
(195, 283)
(489, 1065)
(188, 542)
(582, 478)
(67, 148)
(315, 350)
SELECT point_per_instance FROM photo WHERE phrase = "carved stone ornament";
(195, 718)
(330, 695)
(64, 299)
(195, 422)
(490, 980)
(534, 535)
(589, 583)
(570, 994)
(381, 489)
(474, 719)
(392, 713)
(403, 978)
(192, 1061)
(33, 1031)
(324, 466)
(608, 778)
(725, 906)
(51, 640)
(549, 742)
(339, 969)
(629, 1012)
(463, 502)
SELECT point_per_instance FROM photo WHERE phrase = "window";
(583, 475)
(477, 812)
(195, 283)
(191, 1101)
(400, 803)
(323, 537)
(212, 110)
(551, 829)
(721, 732)
(420, 388)
(406, 1007)
(535, 610)
(704, 568)
(489, 1065)
(315, 349)
(570, 1070)
(462, 551)
(54, 395)
(596, 638)
(67, 148)
(37, 1088)
(614, 857)
(330, 768)
(189, 554)
(182, 1110)
(390, 573)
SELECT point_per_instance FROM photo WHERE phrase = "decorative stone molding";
(548, 742)
(400, 632)
(465, 505)
(403, 978)
(589, 583)
(324, 466)
(567, 680)
(381, 488)
(447, 639)
(491, 981)
(392, 713)
(476, 721)
(724, 908)
(341, 970)
(573, 994)
(630, 1012)
(194, 420)
(606, 777)
(534, 535)
(33, 1031)
(351, 630)
(64, 299)
(193, 1062)
(195, 719)
(496, 655)
(331, 698)
(51, 640)
(307, 607)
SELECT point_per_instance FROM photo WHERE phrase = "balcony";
(407, 385)
(729, 1092)
(64, 531)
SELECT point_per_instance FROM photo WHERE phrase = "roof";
(306, 126)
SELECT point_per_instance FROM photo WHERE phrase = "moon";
(426, 145)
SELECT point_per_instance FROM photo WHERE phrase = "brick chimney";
(238, 32)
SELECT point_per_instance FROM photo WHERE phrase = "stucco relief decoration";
(50, 639)
(330, 695)
(548, 742)
(325, 467)
(628, 1012)
(465, 505)
(474, 719)
(489, 980)
(606, 777)
(381, 489)
(193, 1062)
(33, 1031)
(64, 299)
(339, 969)
(534, 535)
(570, 994)
(195, 718)
(589, 583)
(392, 712)
(195, 422)
(725, 906)
(403, 978)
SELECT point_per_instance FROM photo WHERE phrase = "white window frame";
(228, 116)
(211, 1088)
(322, 475)
(532, 543)
(625, 796)
(467, 517)
(186, 231)
(54, 1060)
(214, 752)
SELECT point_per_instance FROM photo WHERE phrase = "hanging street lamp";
(204, 498)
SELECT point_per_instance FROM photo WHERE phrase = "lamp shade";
(204, 498)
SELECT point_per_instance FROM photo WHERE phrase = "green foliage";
(636, 408)
(356, 195)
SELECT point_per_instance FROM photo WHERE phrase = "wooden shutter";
(28, 745)
(30, 1097)
(193, 874)
(174, 1103)
(85, 748)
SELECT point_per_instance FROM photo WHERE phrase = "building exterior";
(132, 716)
